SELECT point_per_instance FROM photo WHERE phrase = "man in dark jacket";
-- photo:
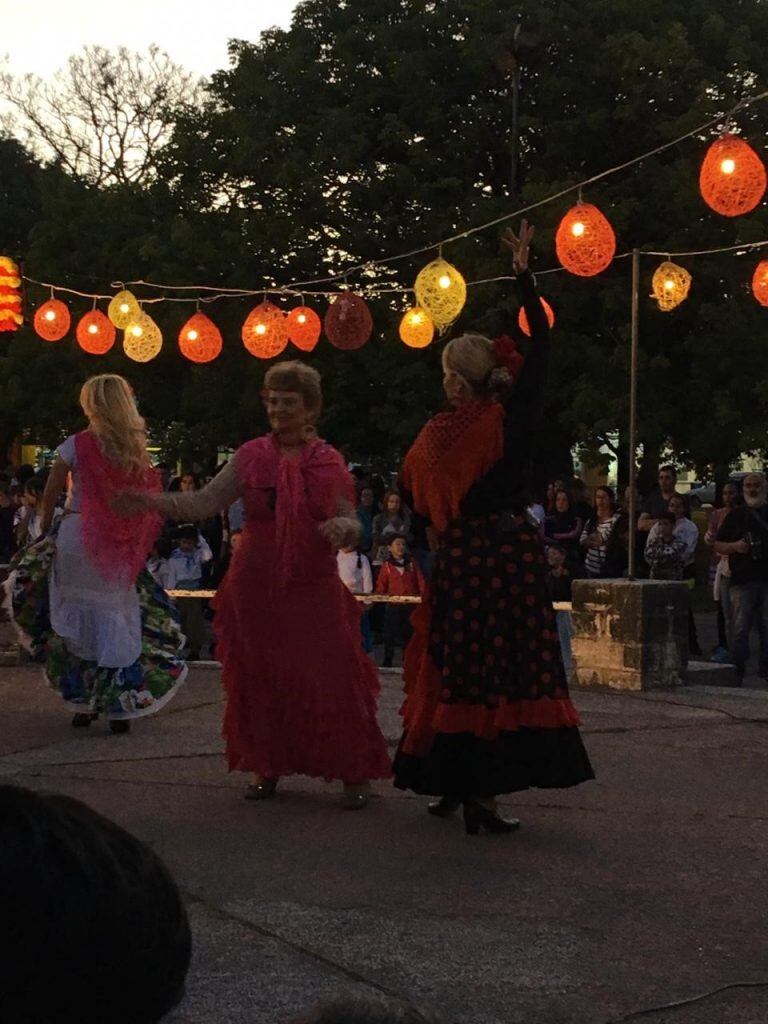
(743, 537)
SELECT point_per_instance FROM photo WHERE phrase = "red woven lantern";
(585, 241)
(52, 320)
(732, 178)
(95, 333)
(760, 283)
(11, 317)
(304, 327)
(200, 339)
(522, 317)
(348, 322)
(264, 332)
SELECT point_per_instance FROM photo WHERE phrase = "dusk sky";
(39, 39)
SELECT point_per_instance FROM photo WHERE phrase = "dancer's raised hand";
(519, 245)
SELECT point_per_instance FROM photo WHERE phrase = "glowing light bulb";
(50, 314)
(445, 281)
(578, 229)
(302, 318)
(124, 307)
(261, 328)
(192, 335)
(136, 331)
(93, 329)
(669, 285)
(728, 166)
(416, 318)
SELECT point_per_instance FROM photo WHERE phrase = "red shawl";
(118, 546)
(452, 452)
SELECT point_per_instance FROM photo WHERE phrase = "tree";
(367, 129)
(104, 116)
(371, 129)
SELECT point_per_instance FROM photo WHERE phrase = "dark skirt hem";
(463, 765)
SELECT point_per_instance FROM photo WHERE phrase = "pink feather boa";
(118, 546)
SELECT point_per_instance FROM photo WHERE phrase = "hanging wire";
(299, 288)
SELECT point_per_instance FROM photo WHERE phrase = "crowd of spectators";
(586, 534)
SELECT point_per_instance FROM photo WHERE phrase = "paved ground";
(642, 888)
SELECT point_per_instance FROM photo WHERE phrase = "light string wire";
(297, 288)
(372, 290)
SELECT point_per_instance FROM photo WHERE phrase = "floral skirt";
(132, 691)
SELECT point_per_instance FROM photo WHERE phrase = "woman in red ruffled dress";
(301, 693)
(487, 709)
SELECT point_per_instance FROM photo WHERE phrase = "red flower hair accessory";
(508, 355)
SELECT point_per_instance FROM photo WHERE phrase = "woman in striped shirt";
(595, 536)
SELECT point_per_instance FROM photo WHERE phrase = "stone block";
(630, 635)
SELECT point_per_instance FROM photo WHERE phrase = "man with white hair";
(743, 537)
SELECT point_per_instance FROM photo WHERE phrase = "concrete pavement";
(644, 887)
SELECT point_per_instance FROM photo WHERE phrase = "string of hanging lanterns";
(732, 182)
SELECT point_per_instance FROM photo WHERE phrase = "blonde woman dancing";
(81, 597)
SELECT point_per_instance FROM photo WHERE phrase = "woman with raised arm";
(86, 607)
(487, 709)
(301, 693)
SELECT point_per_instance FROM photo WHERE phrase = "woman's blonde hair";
(107, 400)
(294, 375)
(472, 358)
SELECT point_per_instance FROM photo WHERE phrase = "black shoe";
(445, 806)
(476, 817)
(119, 725)
(263, 790)
(83, 719)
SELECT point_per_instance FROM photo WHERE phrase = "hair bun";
(500, 380)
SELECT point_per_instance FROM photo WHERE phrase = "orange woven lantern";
(304, 327)
(732, 178)
(11, 317)
(265, 333)
(200, 339)
(585, 241)
(348, 322)
(52, 320)
(416, 328)
(95, 333)
(522, 317)
(760, 283)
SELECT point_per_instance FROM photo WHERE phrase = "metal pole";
(633, 410)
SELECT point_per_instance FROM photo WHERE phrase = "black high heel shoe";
(444, 807)
(476, 817)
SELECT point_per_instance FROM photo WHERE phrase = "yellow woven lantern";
(671, 285)
(416, 328)
(143, 339)
(123, 309)
(441, 291)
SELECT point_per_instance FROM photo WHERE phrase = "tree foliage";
(366, 130)
(104, 116)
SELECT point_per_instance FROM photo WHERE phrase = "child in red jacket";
(400, 576)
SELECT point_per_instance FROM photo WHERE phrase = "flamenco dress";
(300, 691)
(85, 607)
(487, 709)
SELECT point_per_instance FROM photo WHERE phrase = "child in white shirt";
(355, 572)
